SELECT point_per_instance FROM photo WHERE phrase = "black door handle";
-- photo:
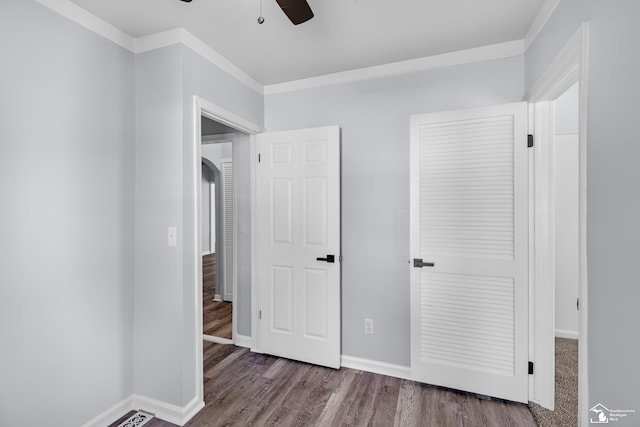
(417, 262)
(329, 258)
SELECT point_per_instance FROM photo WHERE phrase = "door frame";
(202, 107)
(570, 66)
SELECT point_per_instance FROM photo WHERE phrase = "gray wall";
(166, 81)
(374, 120)
(613, 199)
(66, 185)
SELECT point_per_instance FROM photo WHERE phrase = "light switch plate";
(172, 236)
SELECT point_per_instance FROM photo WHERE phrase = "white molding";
(91, 22)
(539, 22)
(568, 67)
(217, 340)
(162, 410)
(561, 333)
(179, 415)
(219, 137)
(479, 54)
(101, 27)
(382, 368)
(180, 35)
(217, 297)
(243, 341)
(226, 117)
(112, 414)
(562, 72)
(205, 253)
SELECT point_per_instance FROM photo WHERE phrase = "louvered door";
(469, 241)
(227, 230)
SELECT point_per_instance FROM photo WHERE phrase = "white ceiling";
(343, 35)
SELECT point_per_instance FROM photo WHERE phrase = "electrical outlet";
(368, 326)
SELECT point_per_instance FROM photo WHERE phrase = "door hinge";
(530, 368)
(258, 157)
(529, 140)
(578, 304)
(260, 314)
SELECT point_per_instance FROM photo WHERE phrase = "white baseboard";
(162, 410)
(383, 368)
(111, 414)
(243, 341)
(179, 415)
(561, 333)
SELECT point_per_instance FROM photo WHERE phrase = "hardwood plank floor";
(250, 389)
(216, 315)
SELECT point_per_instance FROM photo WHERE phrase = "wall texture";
(613, 200)
(374, 120)
(66, 183)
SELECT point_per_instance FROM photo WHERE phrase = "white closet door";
(227, 223)
(469, 241)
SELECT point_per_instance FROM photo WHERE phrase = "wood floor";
(248, 389)
(216, 315)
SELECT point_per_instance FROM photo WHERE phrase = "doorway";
(218, 227)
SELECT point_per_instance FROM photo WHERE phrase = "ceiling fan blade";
(298, 11)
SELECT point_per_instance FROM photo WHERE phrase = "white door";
(226, 175)
(469, 243)
(298, 244)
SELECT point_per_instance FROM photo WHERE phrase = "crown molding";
(539, 22)
(180, 35)
(91, 22)
(101, 27)
(467, 56)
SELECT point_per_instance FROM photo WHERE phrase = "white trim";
(467, 56)
(180, 35)
(101, 27)
(202, 107)
(539, 22)
(179, 415)
(382, 368)
(544, 257)
(91, 22)
(562, 72)
(561, 333)
(226, 117)
(568, 67)
(217, 138)
(243, 341)
(255, 256)
(113, 413)
(162, 410)
(197, 196)
(217, 297)
(217, 340)
(205, 253)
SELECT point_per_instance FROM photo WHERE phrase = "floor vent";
(138, 419)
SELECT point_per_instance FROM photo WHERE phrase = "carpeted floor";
(566, 399)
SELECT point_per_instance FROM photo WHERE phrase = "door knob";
(329, 258)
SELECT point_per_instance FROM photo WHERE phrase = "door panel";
(469, 217)
(298, 221)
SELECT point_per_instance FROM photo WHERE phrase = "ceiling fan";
(298, 11)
